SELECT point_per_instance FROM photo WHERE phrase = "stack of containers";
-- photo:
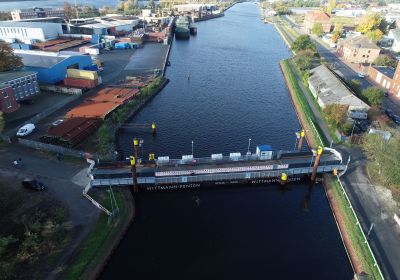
(84, 79)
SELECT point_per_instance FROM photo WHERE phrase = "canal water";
(226, 87)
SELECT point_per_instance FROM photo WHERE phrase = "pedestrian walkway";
(321, 122)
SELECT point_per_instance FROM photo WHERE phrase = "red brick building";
(386, 77)
(314, 17)
(8, 103)
(358, 49)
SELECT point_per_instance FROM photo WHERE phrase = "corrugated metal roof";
(27, 24)
(41, 59)
(331, 90)
(12, 75)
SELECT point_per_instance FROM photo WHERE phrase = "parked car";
(26, 130)
(396, 119)
(57, 122)
(33, 185)
(389, 113)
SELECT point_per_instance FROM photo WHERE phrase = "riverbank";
(354, 240)
(107, 135)
(104, 237)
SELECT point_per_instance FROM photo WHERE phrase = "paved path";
(373, 208)
(65, 181)
(317, 114)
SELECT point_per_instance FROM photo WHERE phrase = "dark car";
(396, 119)
(389, 113)
(33, 185)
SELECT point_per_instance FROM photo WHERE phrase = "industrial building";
(52, 67)
(36, 13)
(102, 26)
(329, 89)
(26, 31)
(17, 86)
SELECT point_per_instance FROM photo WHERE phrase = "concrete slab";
(147, 59)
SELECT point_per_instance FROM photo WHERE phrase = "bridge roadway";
(246, 169)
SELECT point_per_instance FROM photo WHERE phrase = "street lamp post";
(248, 147)
(192, 147)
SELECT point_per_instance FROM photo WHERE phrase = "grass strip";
(98, 242)
(311, 123)
(354, 231)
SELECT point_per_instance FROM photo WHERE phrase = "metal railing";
(213, 177)
(360, 228)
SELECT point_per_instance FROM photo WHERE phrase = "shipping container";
(95, 39)
(25, 46)
(92, 67)
(15, 46)
(80, 83)
(82, 74)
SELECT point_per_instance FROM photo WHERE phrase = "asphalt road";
(65, 180)
(372, 209)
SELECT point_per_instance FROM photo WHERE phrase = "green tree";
(69, 13)
(336, 114)
(369, 22)
(375, 35)
(303, 59)
(5, 16)
(384, 154)
(331, 6)
(303, 42)
(317, 29)
(1, 122)
(335, 36)
(385, 60)
(373, 95)
(9, 61)
(7, 266)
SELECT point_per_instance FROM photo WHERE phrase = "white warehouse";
(24, 31)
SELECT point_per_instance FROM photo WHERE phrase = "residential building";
(358, 49)
(23, 31)
(52, 67)
(36, 13)
(386, 77)
(17, 86)
(349, 12)
(394, 35)
(328, 89)
(8, 103)
(314, 17)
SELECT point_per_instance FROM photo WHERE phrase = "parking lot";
(116, 64)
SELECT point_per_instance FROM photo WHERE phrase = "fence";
(56, 149)
(360, 228)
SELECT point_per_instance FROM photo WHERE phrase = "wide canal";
(226, 87)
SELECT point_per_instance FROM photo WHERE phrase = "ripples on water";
(235, 91)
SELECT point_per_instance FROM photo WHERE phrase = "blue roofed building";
(52, 67)
(264, 152)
